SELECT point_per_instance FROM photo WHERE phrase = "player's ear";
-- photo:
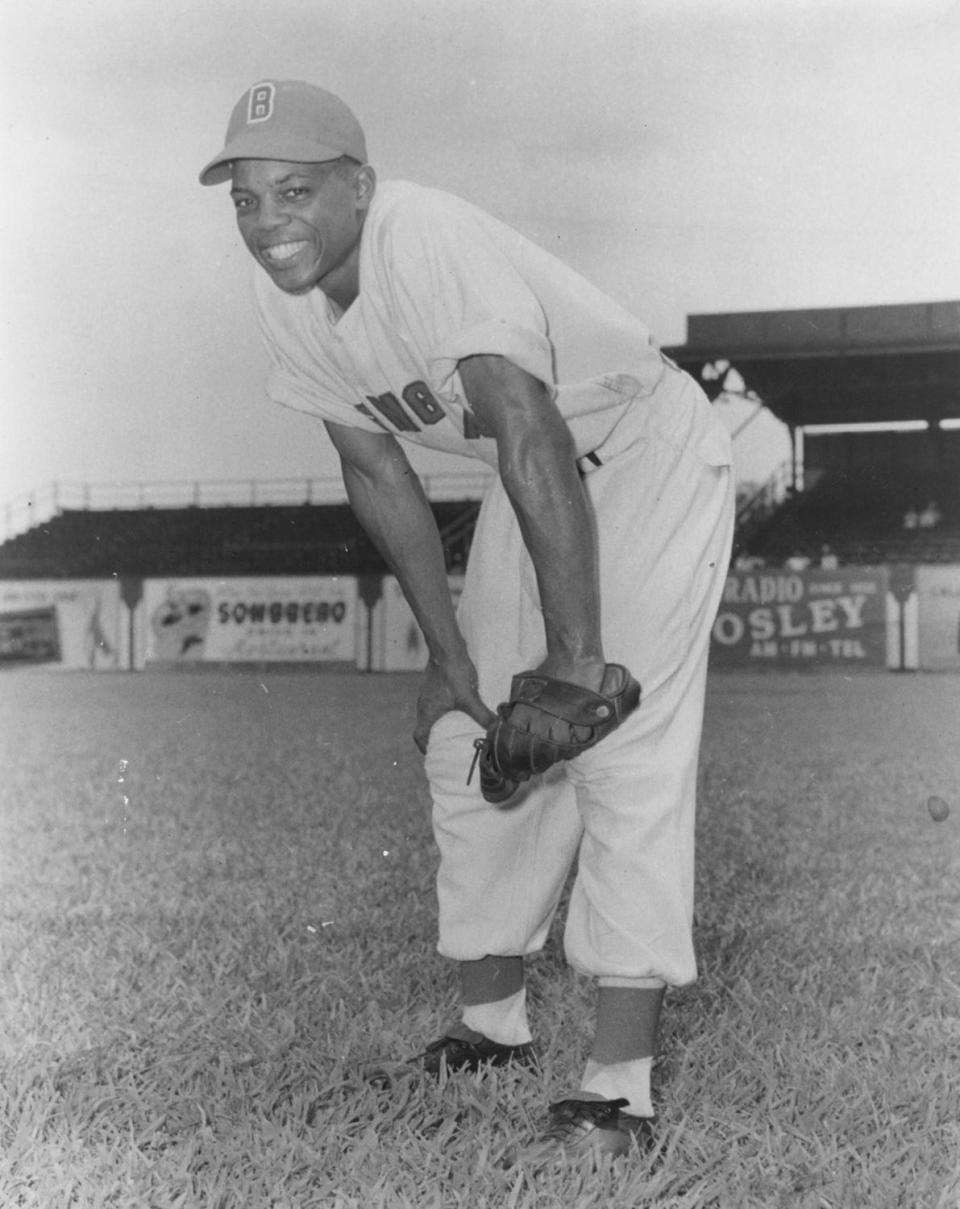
(365, 184)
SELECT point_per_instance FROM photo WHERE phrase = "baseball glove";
(545, 721)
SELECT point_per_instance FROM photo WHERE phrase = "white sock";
(622, 1081)
(503, 1020)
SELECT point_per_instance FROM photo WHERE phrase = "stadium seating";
(266, 540)
(860, 515)
(856, 506)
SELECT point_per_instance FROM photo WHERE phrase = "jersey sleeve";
(458, 282)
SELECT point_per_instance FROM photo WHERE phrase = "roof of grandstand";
(842, 365)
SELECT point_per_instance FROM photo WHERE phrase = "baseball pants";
(623, 811)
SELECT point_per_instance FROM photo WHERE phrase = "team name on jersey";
(421, 411)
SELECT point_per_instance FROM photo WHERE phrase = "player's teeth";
(283, 251)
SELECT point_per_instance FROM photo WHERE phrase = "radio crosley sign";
(802, 618)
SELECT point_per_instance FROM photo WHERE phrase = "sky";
(688, 156)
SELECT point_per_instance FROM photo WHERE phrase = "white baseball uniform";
(440, 281)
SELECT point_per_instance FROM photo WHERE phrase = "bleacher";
(858, 513)
(861, 516)
(869, 396)
(306, 539)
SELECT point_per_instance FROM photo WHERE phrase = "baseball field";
(217, 904)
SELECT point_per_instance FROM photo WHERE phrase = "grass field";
(217, 903)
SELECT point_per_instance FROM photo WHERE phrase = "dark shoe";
(587, 1126)
(460, 1048)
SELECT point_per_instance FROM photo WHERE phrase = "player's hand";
(447, 687)
(546, 721)
(587, 672)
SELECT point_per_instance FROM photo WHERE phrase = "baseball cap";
(287, 120)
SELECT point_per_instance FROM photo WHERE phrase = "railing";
(34, 508)
(766, 500)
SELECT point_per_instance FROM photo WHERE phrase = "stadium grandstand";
(869, 394)
(285, 527)
(871, 397)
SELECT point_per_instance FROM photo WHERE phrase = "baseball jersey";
(441, 280)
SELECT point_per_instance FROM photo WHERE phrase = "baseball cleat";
(460, 1048)
(587, 1126)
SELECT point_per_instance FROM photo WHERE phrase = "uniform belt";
(589, 461)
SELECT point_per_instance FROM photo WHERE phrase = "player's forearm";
(398, 519)
(540, 476)
(537, 464)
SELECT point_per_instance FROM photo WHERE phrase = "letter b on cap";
(261, 103)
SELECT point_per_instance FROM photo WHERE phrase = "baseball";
(939, 810)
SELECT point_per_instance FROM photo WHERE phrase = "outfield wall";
(938, 625)
(62, 623)
(390, 639)
(283, 619)
(897, 617)
(803, 618)
(901, 617)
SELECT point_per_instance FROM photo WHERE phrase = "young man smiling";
(395, 313)
(302, 223)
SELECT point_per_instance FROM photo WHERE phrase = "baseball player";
(396, 313)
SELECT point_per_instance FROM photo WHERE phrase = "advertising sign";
(938, 589)
(30, 636)
(802, 619)
(276, 620)
(60, 623)
(398, 642)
